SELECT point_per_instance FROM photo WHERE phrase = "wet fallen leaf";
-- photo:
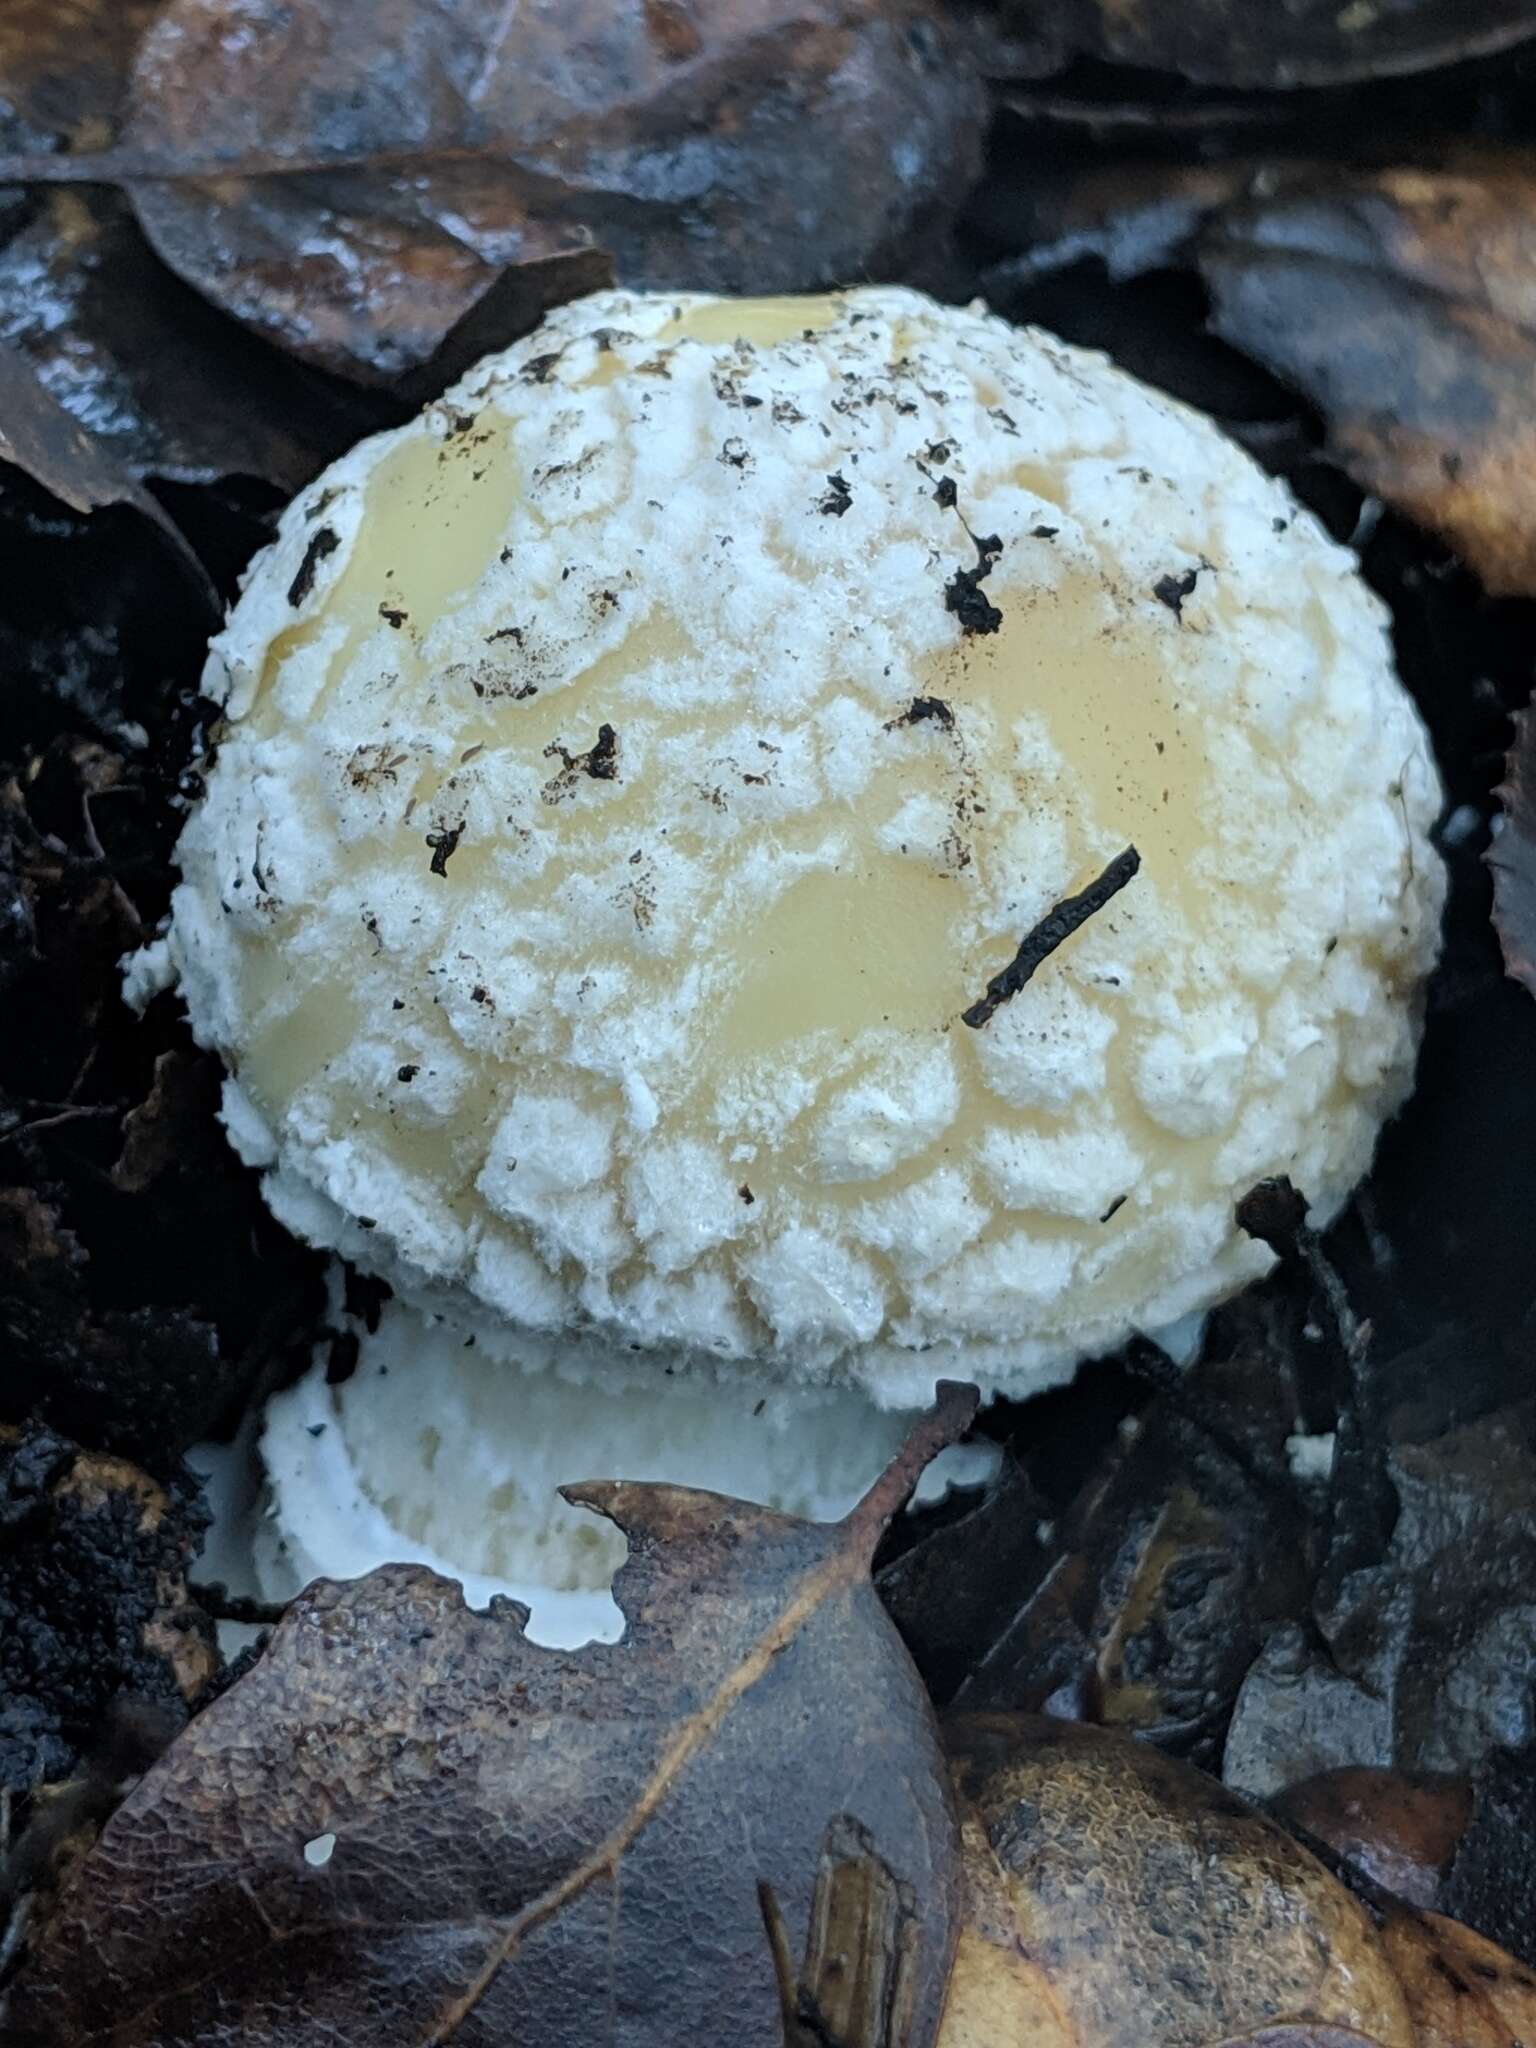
(1116, 1897)
(156, 383)
(857, 1981)
(1491, 1885)
(1426, 1650)
(349, 177)
(159, 382)
(1304, 2036)
(1144, 1605)
(948, 1604)
(408, 1822)
(1307, 42)
(1462, 1991)
(64, 66)
(40, 437)
(1512, 856)
(1400, 301)
(1401, 1830)
(1403, 304)
(1133, 215)
(1462, 1847)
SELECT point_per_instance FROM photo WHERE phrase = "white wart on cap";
(642, 770)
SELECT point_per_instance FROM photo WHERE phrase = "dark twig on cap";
(1056, 926)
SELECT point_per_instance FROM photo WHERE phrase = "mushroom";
(773, 852)
(433, 1451)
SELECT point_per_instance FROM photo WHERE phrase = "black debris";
(600, 762)
(324, 541)
(920, 710)
(1172, 590)
(838, 497)
(1056, 926)
(964, 596)
(444, 845)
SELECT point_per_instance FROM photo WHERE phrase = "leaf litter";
(1160, 1555)
(1309, 42)
(350, 178)
(526, 1843)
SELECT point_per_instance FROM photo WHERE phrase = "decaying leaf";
(1462, 1847)
(1403, 304)
(1307, 42)
(1491, 1885)
(137, 377)
(1512, 856)
(1401, 1830)
(64, 65)
(1400, 301)
(1116, 1897)
(1133, 216)
(39, 436)
(1427, 1650)
(1143, 1606)
(161, 385)
(350, 176)
(1461, 1990)
(409, 1823)
(955, 1589)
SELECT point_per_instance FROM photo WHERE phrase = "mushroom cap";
(638, 770)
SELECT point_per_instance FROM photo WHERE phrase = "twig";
(1053, 929)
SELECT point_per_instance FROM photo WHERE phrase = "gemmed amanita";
(802, 845)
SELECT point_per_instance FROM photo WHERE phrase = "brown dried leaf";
(369, 167)
(1399, 1828)
(513, 1843)
(1403, 304)
(161, 384)
(64, 68)
(1462, 1991)
(1306, 42)
(1512, 856)
(1116, 1897)
(1186, 1544)
(39, 436)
